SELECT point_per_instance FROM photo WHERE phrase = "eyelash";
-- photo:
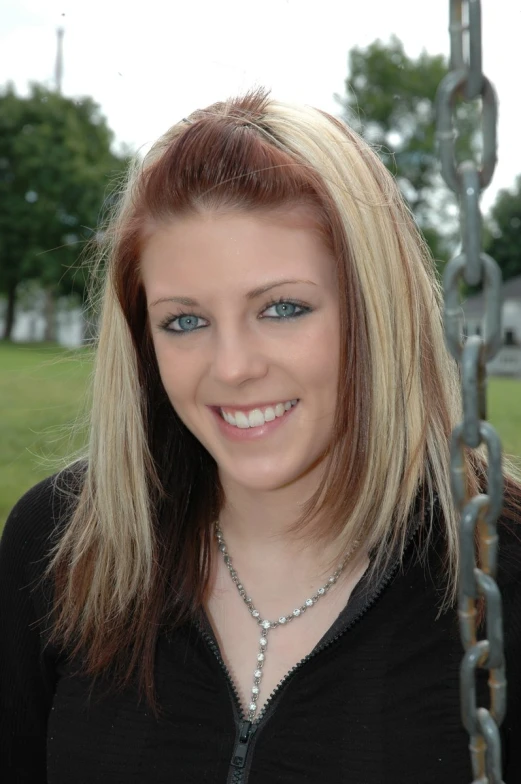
(168, 320)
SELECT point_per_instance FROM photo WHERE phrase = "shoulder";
(509, 553)
(431, 543)
(28, 661)
(39, 517)
(509, 536)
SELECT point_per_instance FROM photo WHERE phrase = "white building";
(29, 323)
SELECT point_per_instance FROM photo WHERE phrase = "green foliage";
(390, 100)
(56, 170)
(503, 237)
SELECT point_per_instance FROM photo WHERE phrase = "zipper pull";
(241, 748)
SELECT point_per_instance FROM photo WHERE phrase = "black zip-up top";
(376, 701)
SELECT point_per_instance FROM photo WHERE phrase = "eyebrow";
(253, 294)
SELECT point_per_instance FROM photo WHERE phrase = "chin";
(267, 485)
(268, 481)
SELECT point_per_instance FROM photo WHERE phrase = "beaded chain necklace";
(265, 624)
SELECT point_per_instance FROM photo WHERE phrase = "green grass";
(504, 412)
(42, 391)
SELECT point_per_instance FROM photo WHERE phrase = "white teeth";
(241, 420)
(256, 417)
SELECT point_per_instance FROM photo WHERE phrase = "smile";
(256, 417)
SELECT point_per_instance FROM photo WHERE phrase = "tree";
(504, 231)
(56, 170)
(390, 100)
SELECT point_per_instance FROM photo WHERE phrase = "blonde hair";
(136, 551)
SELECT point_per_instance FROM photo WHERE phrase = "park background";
(85, 86)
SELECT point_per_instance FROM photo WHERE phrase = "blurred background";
(85, 86)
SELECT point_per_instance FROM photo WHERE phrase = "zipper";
(231, 684)
(247, 729)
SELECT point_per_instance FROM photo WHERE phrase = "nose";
(238, 356)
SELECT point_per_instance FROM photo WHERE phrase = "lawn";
(42, 394)
(42, 390)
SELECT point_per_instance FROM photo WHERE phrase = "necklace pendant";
(257, 675)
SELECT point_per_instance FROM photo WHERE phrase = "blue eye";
(285, 309)
(184, 323)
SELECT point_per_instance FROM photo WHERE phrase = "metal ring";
(471, 221)
(489, 436)
(469, 664)
(450, 86)
(494, 630)
(453, 313)
(489, 730)
(473, 373)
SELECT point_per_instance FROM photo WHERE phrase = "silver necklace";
(267, 625)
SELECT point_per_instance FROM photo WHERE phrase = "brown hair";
(135, 555)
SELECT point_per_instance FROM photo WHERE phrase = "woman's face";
(244, 314)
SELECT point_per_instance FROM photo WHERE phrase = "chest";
(259, 659)
(380, 704)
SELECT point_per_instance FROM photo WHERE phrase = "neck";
(257, 528)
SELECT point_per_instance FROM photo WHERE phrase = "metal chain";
(478, 514)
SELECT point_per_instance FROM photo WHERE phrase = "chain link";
(466, 35)
(479, 514)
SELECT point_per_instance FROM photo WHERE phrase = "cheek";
(321, 361)
(178, 373)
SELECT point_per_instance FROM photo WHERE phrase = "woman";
(251, 578)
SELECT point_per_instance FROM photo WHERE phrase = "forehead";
(236, 248)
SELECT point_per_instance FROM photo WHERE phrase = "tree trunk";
(9, 314)
(49, 313)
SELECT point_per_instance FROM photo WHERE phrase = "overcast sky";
(150, 63)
